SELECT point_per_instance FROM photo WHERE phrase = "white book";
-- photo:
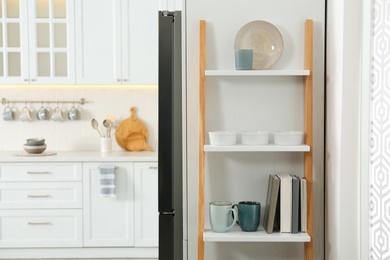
(285, 202)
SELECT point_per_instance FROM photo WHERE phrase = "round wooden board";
(127, 128)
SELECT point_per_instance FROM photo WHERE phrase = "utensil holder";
(106, 145)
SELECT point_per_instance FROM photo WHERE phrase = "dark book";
(295, 205)
(271, 204)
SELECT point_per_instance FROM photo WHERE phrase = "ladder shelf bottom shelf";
(236, 235)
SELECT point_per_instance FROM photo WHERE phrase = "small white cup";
(105, 144)
(57, 114)
(25, 114)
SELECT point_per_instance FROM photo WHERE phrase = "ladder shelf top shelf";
(222, 73)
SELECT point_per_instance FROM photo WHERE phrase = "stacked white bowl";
(35, 145)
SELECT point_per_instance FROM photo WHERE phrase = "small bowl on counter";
(34, 149)
(255, 137)
(35, 141)
(223, 137)
(288, 137)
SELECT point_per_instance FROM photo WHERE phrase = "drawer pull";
(153, 167)
(38, 172)
(38, 196)
(39, 223)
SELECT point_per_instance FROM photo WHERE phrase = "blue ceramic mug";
(220, 219)
(248, 215)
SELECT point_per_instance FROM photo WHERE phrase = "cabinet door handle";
(38, 196)
(153, 168)
(125, 80)
(25, 80)
(37, 172)
(118, 80)
(33, 80)
(39, 223)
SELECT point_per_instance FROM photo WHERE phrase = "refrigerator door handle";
(172, 213)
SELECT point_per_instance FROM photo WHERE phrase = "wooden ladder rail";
(308, 117)
(202, 129)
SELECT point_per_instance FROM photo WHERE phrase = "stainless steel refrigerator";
(170, 144)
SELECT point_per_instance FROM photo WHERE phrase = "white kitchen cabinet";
(50, 207)
(37, 42)
(116, 42)
(36, 208)
(40, 195)
(40, 228)
(108, 222)
(146, 204)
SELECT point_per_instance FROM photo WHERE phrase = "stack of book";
(286, 206)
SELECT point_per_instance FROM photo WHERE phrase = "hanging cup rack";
(82, 101)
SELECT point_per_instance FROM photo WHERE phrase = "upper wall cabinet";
(116, 41)
(37, 42)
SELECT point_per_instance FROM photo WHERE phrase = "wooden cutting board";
(132, 133)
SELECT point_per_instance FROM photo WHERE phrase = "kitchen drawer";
(40, 172)
(40, 228)
(21, 195)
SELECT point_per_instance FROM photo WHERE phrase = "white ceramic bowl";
(223, 137)
(288, 137)
(255, 138)
(35, 149)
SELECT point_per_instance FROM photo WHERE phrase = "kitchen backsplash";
(77, 135)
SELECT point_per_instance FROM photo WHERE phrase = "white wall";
(77, 135)
(249, 104)
(342, 147)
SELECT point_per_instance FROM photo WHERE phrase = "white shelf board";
(255, 148)
(257, 72)
(236, 235)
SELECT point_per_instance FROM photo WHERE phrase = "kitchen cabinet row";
(59, 206)
(78, 42)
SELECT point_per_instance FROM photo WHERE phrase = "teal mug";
(248, 215)
(220, 219)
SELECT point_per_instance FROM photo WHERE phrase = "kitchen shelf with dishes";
(205, 234)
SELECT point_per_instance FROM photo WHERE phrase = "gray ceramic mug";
(220, 219)
(8, 114)
(73, 113)
(248, 215)
(42, 113)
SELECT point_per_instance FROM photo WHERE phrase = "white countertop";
(79, 156)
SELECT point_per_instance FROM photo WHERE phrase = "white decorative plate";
(265, 40)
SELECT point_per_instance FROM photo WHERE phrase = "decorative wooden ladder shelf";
(308, 119)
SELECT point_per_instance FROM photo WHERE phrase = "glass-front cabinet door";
(13, 42)
(37, 42)
(51, 30)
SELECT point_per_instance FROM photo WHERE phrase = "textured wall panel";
(380, 133)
